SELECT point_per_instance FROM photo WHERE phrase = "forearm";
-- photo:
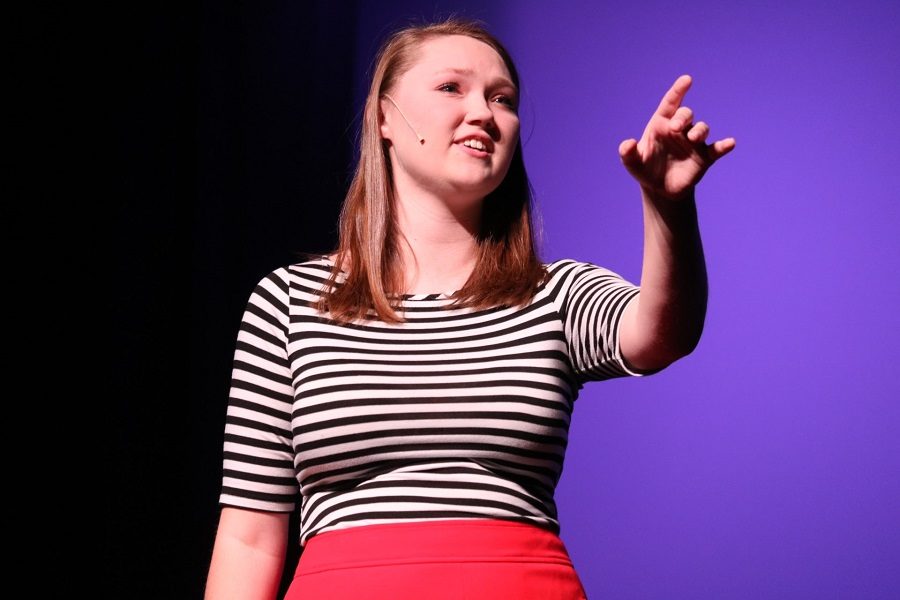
(668, 316)
(247, 562)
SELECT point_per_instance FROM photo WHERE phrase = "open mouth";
(477, 147)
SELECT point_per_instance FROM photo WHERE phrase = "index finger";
(672, 100)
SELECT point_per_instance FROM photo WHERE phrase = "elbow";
(651, 362)
(664, 351)
(683, 334)
(652, 340)
(686, 343)
(683, 343)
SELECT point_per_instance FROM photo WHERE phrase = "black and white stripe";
(455, 413)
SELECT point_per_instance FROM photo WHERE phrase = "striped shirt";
(456, 413)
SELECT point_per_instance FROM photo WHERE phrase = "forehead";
(457, 52)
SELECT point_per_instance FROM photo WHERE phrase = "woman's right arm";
(248, 556)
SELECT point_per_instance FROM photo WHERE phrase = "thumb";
(629, 154)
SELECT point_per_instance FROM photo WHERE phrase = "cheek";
(509, 126)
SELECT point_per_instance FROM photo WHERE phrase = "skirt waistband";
(464, 540)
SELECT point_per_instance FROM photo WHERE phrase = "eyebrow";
(470, 72)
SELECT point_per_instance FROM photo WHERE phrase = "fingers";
(628, 152)
(698, 133)
(681, 120)
(719, 149)
(672, 99)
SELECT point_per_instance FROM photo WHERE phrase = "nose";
(479, 112)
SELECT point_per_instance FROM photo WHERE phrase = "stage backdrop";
(764, 465)
(767, 463)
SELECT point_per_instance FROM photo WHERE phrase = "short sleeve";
(258, 466)
(591, 301)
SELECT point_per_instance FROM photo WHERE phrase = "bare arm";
(664, 323)
(248, 556)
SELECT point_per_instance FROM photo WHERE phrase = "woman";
(413, 390)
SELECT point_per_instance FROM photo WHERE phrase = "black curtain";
(233, 126)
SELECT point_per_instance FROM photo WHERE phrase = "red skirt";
(436, 560)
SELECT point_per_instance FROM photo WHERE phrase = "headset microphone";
(418, 137)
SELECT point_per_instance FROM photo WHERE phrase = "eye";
(505, 100)
(450, 87)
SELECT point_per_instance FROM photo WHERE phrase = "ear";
(382, 122)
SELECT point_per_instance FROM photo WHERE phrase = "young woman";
(413, 390)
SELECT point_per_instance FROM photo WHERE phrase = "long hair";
(507, 270)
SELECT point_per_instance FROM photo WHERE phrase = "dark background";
(233, 130)
(762, 466)
(233, 127)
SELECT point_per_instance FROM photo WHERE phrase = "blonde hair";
(507, 270)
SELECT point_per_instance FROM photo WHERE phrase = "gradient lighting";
(767, 463)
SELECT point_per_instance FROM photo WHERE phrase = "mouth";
(477, 146)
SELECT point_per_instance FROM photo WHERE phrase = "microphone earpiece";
(418, 137)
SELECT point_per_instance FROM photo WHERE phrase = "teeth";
(477, 144)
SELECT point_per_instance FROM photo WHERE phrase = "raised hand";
(672, 154)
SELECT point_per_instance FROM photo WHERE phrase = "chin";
(476, 184)
(474, 190)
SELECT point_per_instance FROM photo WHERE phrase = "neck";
(438, 243)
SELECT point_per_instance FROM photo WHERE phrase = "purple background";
(767, 463)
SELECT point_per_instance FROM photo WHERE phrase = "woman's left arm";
(665, 321)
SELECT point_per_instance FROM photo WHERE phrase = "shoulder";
(308, 273)
(284, 285)
(567, 268)
(568, 278)
(311, 271)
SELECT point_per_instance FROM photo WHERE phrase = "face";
(459, 97)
